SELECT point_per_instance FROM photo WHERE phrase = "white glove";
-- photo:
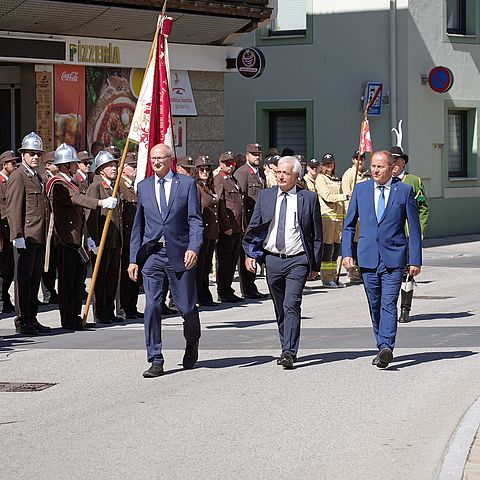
(110, 202)
(92, 247)
(19, 243)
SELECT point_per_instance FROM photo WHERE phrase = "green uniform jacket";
(421, 199)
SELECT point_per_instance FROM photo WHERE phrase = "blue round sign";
(440, 79)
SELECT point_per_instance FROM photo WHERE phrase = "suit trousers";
(157, 273)
(107, 282)
(204, 266)
(28, 274)
(247, 279)
(7, 264)
(228, 251)
(286, 280)
(382, 287)
(71, 272)
(128, 288)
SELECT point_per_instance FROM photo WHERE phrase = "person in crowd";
(332, 200)
(228, 246)
(186, 166)
(353, 175)
(8, 163)
(399, 171)
(28, 217)
(251, 180)
(166, 239)
(106, 169)
(83, 175)
(271, 170)
(215, 220)
(384, 205)
(285, 232)
(313, 169)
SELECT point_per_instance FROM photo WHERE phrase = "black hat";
(313, 163)
(399, 153)
(327, 158)
(273, 159)
(356, 153)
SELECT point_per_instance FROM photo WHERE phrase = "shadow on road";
(439, 316)
(329, 357)
(417, 358)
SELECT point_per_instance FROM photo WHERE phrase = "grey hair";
(387, 154)
(297, 166)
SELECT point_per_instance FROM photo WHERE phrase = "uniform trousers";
(382, 286)
(28, 274)
(286, 278)
(157, 274)
(7, 263)
(107, 281)
(332, 234)
(71, 272)
(204, 266)
(50, 277)
(247, 279)
(129, 289)
(228, 251)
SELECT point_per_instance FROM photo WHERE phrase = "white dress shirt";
(386, 193)
(167, 186)
(293, 241)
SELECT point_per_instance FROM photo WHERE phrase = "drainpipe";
(393, 65)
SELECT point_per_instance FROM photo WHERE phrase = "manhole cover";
(431, 297)
(24, 387)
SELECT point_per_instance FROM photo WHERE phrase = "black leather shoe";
(41, 328)
(385, 356)
(73, 325)
(286, 360)
(207, 304)
(8, 307)
(154, 371)
(377, 363)
(27, 329)
(230, 299)
(167, 310)
(191, 356)
(116, 319)
(53, 300)
(404, 316)
(280, 358)
(104, 320)
(140, 314)
(131, 316)
(256, 295)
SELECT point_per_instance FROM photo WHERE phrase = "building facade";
(320, 58)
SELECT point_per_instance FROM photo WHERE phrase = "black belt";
(283, 255)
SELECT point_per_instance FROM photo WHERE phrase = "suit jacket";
(309, 217)
(385, 238)
(231, 196)
(99, 189)
(250, 184)
(181, 227)
(129, 208)
(27, 206)
(68, 211)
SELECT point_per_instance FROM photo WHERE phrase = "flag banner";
(365, 140)
(151, 121)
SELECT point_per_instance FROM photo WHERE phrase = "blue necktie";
(282, 218)
(163, 198)
(381, 203)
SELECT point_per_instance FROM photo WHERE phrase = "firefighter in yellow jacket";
(332, 200)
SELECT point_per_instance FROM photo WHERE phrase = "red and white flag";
(151, 123)
(365, 140)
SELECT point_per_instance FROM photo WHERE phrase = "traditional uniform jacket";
(68, 210)
(46, 176)
(309, 183)
(420, 198)
(101, 189)
(27, 206)
(229, 192)
(129, 207)
(330, 196)
(81, 181)
(215, 219)
(250, 184)
(3, 207)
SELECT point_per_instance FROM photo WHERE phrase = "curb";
(456, 454)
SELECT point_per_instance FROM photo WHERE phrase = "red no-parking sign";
(440, 79)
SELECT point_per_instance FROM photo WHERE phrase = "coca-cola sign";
(69, 77)
(250, 62)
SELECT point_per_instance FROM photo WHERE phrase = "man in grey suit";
(285, 232)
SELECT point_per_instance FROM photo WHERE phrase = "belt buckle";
(283, 256)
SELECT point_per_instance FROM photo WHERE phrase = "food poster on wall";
(70, 105)
(111, 99)
(180, 136)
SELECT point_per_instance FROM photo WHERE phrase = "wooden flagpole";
(117, 184)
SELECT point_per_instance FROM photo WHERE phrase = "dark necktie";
(381, 203)
(282, 218)
(163, 198)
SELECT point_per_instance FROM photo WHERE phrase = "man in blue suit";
(285, 232)
(383, 205)
(166, 237)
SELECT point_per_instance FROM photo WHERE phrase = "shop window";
(457, 143)
(291, 18)
(289, 129)
(456, 17)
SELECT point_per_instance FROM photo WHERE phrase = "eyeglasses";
(203, 169)
(229, 164)
(159, 159)
(32, 153)
(86, 163)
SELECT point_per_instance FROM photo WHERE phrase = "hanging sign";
(250, 62)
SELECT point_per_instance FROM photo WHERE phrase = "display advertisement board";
(180, 136)
(183, 102)
(70, 112)
(44, 107)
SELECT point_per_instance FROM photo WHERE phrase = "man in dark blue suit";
(383, 205)
(285, 232)
(166, 237)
